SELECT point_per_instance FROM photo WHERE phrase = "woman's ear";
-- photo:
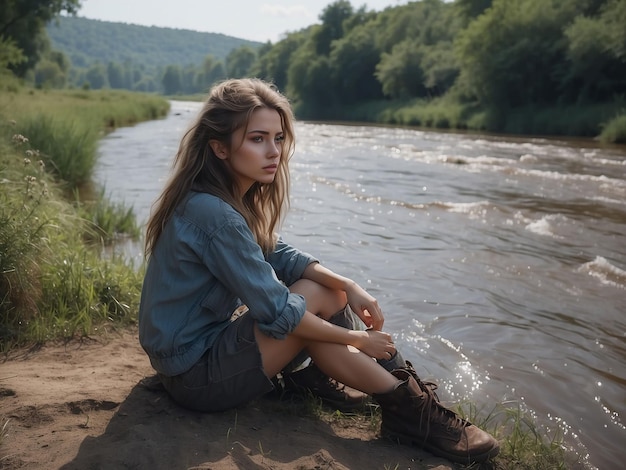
(219, 149)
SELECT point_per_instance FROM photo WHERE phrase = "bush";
(614, 131)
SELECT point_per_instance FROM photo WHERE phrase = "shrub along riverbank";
(605, 122)
(54, 283)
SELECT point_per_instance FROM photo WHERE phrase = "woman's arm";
(362, 303)
(377, 344)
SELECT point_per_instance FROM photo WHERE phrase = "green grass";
(64, 126)
(614, 131)
(54, 281)
(106, 221)
(524, 445)
(65, 144)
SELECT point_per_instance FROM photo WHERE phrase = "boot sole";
(464, 459)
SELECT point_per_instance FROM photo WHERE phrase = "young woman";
(213, 249)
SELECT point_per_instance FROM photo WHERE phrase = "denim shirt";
(204, 265)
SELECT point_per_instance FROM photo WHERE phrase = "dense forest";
(519, 66)
(120, 55)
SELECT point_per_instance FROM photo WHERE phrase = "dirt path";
(89, 405)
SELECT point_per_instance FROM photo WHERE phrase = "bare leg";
(343, 363)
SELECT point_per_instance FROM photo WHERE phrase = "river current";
(500, 262)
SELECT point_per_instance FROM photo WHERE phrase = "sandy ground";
(93, 405)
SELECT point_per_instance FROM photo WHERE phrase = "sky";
(256, 20)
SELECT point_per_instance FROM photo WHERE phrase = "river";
(500, 262)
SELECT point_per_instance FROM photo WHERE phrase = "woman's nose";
(274, 149)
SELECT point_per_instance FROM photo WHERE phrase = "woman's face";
(256, 149)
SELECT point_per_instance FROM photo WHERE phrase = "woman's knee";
(320, 300)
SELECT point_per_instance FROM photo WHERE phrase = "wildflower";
(29, 153)
(19, 139)
(42, 165)
(13, 122)
(26, 161)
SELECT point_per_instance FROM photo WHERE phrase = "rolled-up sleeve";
(289, 262)
(234, 257)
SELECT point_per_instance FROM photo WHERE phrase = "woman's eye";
(280, 138)
(257, 138)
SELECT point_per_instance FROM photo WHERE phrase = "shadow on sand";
(149, 431)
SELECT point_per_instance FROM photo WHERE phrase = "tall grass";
(66, 145)
(106, 221)
(65, 125)
(524, 444)
(614, 131)
(54, 283)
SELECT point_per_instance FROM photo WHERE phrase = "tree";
(332, 18)
(52, 70)
(96, 76)
(239, 61)
(24, 22)
(512, 54)
(470, 9)
(353, 61)
(272, 64)
(49, 74)
(400, 71)
(307, 83)
(189, 79)
(10, 54)
(212, 70)
(146, 84)
(427, 22)
(172, 80)
(440, 68)
(115, 74)
(596, 53)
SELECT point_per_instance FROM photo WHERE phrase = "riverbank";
(605, 122)
(54, 222)
(90, 404)
(93, 402)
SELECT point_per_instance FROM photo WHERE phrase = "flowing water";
(500, 262)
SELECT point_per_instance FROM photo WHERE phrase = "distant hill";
(87, 42)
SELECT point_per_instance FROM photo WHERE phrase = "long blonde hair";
(196, 167)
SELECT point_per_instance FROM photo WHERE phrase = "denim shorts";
(229, 374)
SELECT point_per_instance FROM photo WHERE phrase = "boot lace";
(430, 385)
(438, 415)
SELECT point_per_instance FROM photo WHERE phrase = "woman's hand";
(376, 344)
(365, 306)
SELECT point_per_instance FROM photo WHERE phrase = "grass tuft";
(614, 131)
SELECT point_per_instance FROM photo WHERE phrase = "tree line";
(118, 55)
(487, 60)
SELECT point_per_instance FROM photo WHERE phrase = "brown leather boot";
(312, 380)
(412, 414)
